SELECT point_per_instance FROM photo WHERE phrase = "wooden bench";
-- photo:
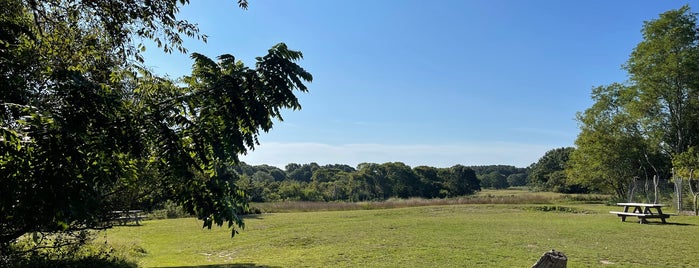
(641, 216)
(642, 211)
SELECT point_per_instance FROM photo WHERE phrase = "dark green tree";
(404, 183)
(458, 180)
(429, 181)
(517, 179)
(550, 166)
(494, 180)
(302, 172)
(82, 125)
(374, 183)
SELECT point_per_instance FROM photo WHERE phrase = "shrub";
(170, 210)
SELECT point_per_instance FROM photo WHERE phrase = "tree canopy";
(370, 181)
(635, 128)
(84, 129)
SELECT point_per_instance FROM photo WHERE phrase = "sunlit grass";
(471, 235)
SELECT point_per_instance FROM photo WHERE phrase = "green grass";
(472, 235)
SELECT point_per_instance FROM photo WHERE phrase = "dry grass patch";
(488, 196)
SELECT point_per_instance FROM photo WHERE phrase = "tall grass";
(511, 196)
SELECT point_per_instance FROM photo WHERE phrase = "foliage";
(505, 170)
(664, 69)
(494, 180)
(612, 151)
(684, 166)
(548, 173)
(169, 210)
(71, 254)
(634, 130)
(85, 130)
(338, 182)
(519, 179)
(686, 163)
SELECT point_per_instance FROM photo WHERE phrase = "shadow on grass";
(660, 223)
(237, 265)
(88, 262)
(674, 223)
(253, 216)
(126, 225)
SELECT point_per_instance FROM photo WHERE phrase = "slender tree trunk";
(632, 191)
(678, 194)
(678, 190)
(552, 259)
(656, 179)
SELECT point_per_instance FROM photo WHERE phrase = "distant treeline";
(370, 181)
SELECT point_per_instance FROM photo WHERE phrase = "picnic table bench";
(126, 216)
(641, 210)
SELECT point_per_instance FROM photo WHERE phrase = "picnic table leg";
(623, 217)
(660, 211)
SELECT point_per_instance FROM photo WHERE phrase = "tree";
(303, 172)
(633, 130)
(664, 72)
(543, 172)
(494, 180)
(459, 180)
(324, 174)
(517, 179)
(684, 166)
(404, 182)
(429, 179)
(275, 172)
(373, 179)
(82, 123)
(610, 153)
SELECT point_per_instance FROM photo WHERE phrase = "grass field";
(465, 235)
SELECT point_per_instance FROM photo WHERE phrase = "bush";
(80, 253)
(170, 210)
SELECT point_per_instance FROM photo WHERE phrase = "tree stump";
(552, 259)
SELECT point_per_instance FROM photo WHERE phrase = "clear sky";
(434, 83)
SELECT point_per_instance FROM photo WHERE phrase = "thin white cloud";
(547, 132)
(439, 155)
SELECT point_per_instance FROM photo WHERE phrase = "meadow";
(478, 234)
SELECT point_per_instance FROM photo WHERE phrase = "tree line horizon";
(370, 181)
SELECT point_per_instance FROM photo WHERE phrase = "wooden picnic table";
(125, 216)
(641, 210)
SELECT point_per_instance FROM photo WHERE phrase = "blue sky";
(434, 83)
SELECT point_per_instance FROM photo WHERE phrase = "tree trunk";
(552, 259)
(656, 179)
(678, 194)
